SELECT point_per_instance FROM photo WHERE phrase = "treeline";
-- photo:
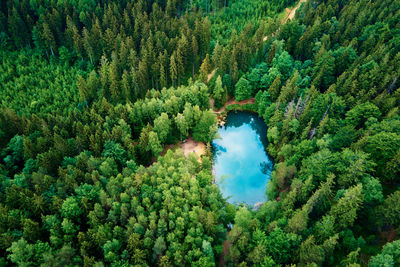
(136, 45)
(31, 84)
(131, 47)
(238, 14)
(162, 118)
(329, 92)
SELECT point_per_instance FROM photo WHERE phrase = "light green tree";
(206, 127)
(242, 89)
(182, 125)
(345, 211)
(162, 126)
(154, 144)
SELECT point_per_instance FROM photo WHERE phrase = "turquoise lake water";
(241, 165)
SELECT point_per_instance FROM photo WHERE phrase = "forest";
(93, 93)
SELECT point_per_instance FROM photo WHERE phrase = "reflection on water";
(241, 165)
(266, 167)
(219, 148)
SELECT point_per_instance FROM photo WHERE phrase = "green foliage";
(280, 244)
(242, 90)
(205, 129)
(128, 61)
(382, 148)
(284, 64)
(79, 122)
(154, 144)
(358, 116)
(220, 93)
(114, 151)
(52, 90)
(235, 15)
(346, 209)
(70, 209)
(390, 255)
(390, 209)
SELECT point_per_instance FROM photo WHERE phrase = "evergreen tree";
(205, 69)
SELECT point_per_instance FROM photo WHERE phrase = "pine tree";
(345, 211)
(87, 44)
(77, 40)
(216, 56)
(162, 65)
(115, 82)
(219, 92)
(143, 73)
(17, 28)
(271, 54)
(173, 68)
(83, 88)
(274, 89)
(126, 86)
(195, 55)
(205, 69)
(182, 52)
(48, 38)
(289, 91)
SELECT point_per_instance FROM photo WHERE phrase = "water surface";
(241, 165)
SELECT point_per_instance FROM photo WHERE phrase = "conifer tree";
(173, 68)
(205, 69)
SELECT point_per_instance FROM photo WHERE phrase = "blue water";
(241, 165)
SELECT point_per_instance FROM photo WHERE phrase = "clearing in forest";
(191, 146)
(292, 12)
(288, 14)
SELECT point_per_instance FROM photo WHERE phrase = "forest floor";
(191, 146)
(231, 102)
(225, 251)
(188, 146)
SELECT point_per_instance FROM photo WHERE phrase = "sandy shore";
(191, 146)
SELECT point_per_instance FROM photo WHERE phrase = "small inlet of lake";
(241, 165)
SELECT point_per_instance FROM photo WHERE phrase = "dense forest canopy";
(93, 93)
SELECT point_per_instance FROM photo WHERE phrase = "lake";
(241, 165)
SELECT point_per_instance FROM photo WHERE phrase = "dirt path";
(225, 250)
(230, 102)
(292, 11)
